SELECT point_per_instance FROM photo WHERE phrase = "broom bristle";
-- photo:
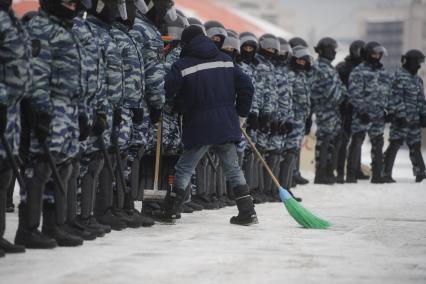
(300, 214)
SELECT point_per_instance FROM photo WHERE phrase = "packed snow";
(378, 236)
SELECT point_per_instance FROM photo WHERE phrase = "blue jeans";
(227, 154)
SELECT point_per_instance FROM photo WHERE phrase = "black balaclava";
(64, 9)
(412, 60)
(268, 41)
(214, 28)
(104, 10)
(369, 49)
(248, 38)
(326, 48)
(5, 4)
(131, 14)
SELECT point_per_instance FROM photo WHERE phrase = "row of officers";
(82, 101)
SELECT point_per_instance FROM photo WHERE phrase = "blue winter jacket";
(212, 93)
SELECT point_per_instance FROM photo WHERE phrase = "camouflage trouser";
(411, 135)
(276, 143)
(328, 127)
(295, 138)
(64, 132)
(13, 129)
(374, 129)
(262, 140)
(125, 129)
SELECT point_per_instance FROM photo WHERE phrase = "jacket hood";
(200, 47)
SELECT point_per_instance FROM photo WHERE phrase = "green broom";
(297, 211)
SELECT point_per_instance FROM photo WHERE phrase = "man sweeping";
(214, 97)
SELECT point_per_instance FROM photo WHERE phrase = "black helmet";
(285, 47)
(269, 41)
(5, 4)
(412, 60)
(160, 11)
(63, 8)
(297, 41)
(175, 28)
(248, 38)
(355, 48)
(326, 48)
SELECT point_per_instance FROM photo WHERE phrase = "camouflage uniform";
(407, 101)
(327, 93)
(369, 91)
(15, 80)
(15, 74)
(148, 36)
(266, 92)
(300, 93)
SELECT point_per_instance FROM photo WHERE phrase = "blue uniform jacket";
(212, 93)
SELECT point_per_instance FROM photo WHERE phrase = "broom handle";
(271, 174)
(158, 153)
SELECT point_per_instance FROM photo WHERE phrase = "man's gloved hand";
(116, 117)
(42, 126)
(401, 122)
(242, 121)
(253, 121)
(83, 125)
(423, 121)
(264, 119)
(286, 128)
(365, 118)
(154, 115)
(3, 118)
(308, 125)
(389, 117)
(99, 124)
(137, 117)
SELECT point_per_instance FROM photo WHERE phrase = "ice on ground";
(379, 236)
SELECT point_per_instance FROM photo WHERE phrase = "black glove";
(389, 117)
(42, 126)
(423, 121)
(154, 115)
(100, 124)
(137, 117)
(401, 122)
(264, 119)
(286, 128)
(308, 125)
(252, 121)
(364, 117)
(3, 118)
(116, 118)
(275, 127)
(83, 125)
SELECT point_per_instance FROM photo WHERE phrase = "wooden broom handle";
(271, 174)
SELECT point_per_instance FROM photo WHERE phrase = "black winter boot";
(322, 169)
(56, 231)
(416, 158)
(377, 159)
(297, 178)
(389, 159)
(28, 235)
(246, 213)
(172, 206)
(354, 157)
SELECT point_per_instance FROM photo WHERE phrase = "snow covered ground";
(379, 236)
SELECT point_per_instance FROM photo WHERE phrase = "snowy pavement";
(379, 236)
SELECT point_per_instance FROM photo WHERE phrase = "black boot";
(389, 160)
(56, 231)
(322, 174)
(354, 157)
(28, 235)
(341, 156)
(377, 159)
(297, 178)
(418, 162)
(129, 208)
(172, 206)
(246, 213)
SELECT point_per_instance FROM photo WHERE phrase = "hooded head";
(190, 33)
(326, 48)
(412, 60)
(216, 31)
